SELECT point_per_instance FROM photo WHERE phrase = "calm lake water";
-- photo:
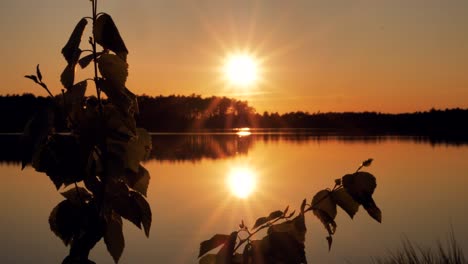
(421, 190)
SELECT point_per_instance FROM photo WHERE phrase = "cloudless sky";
(316, 55)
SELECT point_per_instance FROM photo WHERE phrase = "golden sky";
(316, 55)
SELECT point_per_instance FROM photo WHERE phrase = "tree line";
(194, 112)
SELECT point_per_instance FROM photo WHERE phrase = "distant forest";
(178, 113)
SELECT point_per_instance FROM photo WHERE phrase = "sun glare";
(241, 69)
(241, 182)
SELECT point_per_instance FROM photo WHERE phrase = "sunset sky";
(314, 55)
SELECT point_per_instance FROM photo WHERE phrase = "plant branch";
(251, 234)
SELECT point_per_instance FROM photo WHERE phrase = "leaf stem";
(93, 44)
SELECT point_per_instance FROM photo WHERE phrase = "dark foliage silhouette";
(96, 166)
(284, 242)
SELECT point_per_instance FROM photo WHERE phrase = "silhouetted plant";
(103, 151)
(284, 242)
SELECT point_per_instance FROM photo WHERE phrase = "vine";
(96, 166)
(284, 242)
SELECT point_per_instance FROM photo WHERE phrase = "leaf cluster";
(97, 166)
(284, 242)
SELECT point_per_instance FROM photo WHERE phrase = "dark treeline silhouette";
(194, 113)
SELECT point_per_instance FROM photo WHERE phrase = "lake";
(421, 186)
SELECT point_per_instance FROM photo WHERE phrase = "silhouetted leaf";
(138, 149)
(325, 210)
(226, 253)
(113, 68)
(361, 186)
(367, 163)
(284, 248)
(214, 242)
(86, 60)
(145, 211)
(322, 201)
(120, 96)
(108, 36)
(303, 205)
(138, 181)
(295, 227)
(60, 158)
(208, 259)
(275, 214)
(285, 211)
(38, 73)
(345, 201)
(374, 212)
(74, 96)
(260, 221)
(113, 237)
(67, 78)
(78, 196)
(71, 50)
(127, 208)
(132, 152)
(64, 220)
(32, 77)
(330, 241)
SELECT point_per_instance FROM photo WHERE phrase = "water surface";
(420, 188)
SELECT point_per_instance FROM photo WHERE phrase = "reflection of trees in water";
(195, 147)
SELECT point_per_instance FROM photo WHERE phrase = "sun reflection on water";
(241, 182)
(242, 132)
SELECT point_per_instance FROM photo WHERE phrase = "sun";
(241, 69)
(241, 182)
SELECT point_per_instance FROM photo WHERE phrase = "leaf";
(275, 214)
(139, 148)
(214, 242)
(322, 201)
(285, 211)
(32, 77)
(295, 227)
(367, 162)
(77, 196)
(113, 68)
(60, 158)
(86, 60)
(303, 205)
(71, 50)
(226, 253)
(38, 73)
(284, 243)
(120, 96)
(330, 241)
(325, 210)
(208, 259)
(107, 35)
(64, 221)
(75, 96)
(284, 248)
(345, 201)
(113, 237)
(361, 186)
(67, 78)
(145, 211)
(138, 181)
(260, 221)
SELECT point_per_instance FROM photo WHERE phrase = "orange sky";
(317, 55)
